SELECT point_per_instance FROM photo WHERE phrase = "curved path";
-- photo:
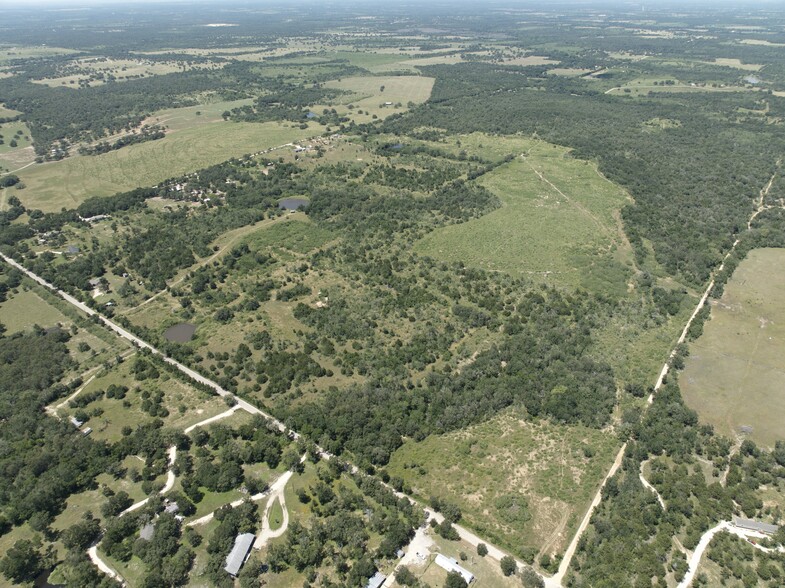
(170, 479)
(213, 419)
(706, 538)
(276, 493)
(649, 487)
(92, 553)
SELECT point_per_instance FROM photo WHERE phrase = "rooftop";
(376, 580)
(755, 525)
(236, 557)
(451, 565)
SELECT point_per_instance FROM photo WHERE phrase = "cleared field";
(25, 309)
(558, 220)
(521, 484)
(372, 92)
(194, 146)
(8, 53)
(734, 374)
(119, 70)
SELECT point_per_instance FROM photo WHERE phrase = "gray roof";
(72, 249)
(376, 580)
(755, 525)
(147, 532)
(236, 557)
(451, 565)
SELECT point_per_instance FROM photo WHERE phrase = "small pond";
(181, 333)
(292, 203)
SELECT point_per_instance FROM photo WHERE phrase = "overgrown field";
(734, 373)
(519, 483)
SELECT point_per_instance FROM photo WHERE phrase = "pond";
(181, 333)
(292, 203)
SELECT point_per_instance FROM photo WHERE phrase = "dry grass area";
(734, 374)
(737, 63)
(521, 484)
(383, 95)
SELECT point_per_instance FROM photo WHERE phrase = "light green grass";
(66, 183)
(23, 310)
(276, 515)
(367, 93)
(558, 221)
(10, 53)
(298, 235)
(735, 371)
(509, 454)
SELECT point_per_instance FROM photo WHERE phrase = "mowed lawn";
(194, 143)
(520, 484)
(735, 373)
(559, 220)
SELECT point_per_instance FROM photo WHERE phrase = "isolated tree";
(531, 579)
(455, 580)
(482, 549)
(508, 565)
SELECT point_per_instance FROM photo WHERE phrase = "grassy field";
(520, 484)
(11, 53)
(734, 374)
(195, 141)
(13, 158)
(25, 309)
(369, 96)
(185, 404)
(558, 221)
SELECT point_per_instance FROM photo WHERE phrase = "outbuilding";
(757, 526)
(451, 565)
(238, 554)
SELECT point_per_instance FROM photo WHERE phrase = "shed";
(236, 557)
(72, 249)
(757, 526)
(86, 431)
(451, 565)
(376, 581)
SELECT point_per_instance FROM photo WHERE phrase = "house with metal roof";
(451, 565)
(376, 581)
(238, 554)
(757, 526)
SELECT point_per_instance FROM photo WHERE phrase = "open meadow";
(559, 221)
(523, 485)
(195, 141)
(734, 374)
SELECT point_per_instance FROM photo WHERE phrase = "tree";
(405, 577)
(508, 565)
(22, 563)
(455, 580)
(482, 549)
(531, 579)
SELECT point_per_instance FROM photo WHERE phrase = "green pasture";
(734, 374)
(191, 145)
(559, 222)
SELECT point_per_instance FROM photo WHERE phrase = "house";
(376, 581)
(451, 565)
(236, 557)
(72, 249)
(172, 508)
(756, 526)
(147, 531)
(76, 422)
